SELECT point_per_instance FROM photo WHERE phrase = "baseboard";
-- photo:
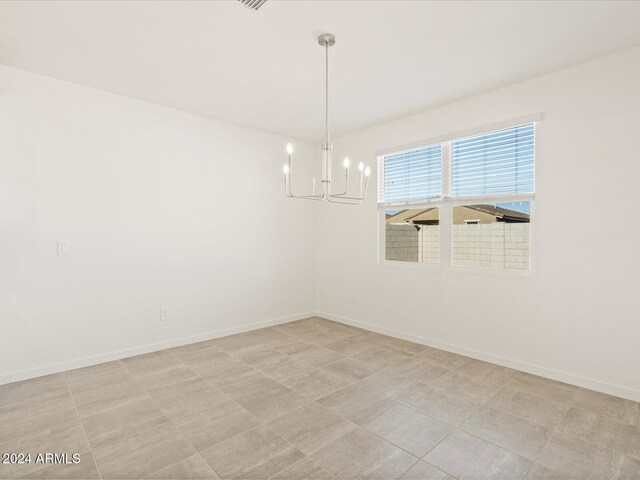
(129, 352)
(572, 379)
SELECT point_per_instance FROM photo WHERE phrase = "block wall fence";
(497, 245)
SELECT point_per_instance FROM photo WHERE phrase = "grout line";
(167, 418)
(86, 437)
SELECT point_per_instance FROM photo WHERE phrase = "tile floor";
(315, 399)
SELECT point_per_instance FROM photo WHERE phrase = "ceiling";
(265, 70)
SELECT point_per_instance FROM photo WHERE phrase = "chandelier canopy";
(326, 40)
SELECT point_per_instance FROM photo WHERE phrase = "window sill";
(456, 268)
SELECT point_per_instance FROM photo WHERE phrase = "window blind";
(412, 175)
(495, 163)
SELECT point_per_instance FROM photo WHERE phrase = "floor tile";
(486, 372)
(468, 457)
(603, 431)
(185, 398)
(233, 343)
(462, 385)
(423, 471)
(381, 357)
(271, 402)
(315, 384)
(192, 468)
(213, 425)
(305, 469)
(349, 347)
(449, 407)
(258, 355)
(419, 370)
(140, 450)
(170, 376)
(222, 368)
(412, 431)
(67, 436)
(191, 349)
(85, 470)
(115, 420)
(270, 336)
(97, 376)
(49, 386)
(350, 369)
(256, 454)
(150, 363)
(361, 454)
(628, 469)
(618, 408)
(403, 374)
(241, 383)
(516, 434)
(351, 400)
(319, 356)
(624, 468)
(442, 358)
(543, 387)
(22, 419)
(411, 348)
(570, 457)
(296, 347)
(284, 368)
(536, 409)
(110, 396)
(311, 427)
(203, 358)
(321, 337)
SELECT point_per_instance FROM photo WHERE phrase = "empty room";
(309, 240)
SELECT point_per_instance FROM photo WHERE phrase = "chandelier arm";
(348, 198)
(304, 197)
(307, 197)
(289, 181)
(362, 196)
(342, 202)
(346, 186)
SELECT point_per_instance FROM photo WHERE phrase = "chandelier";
(326, 40)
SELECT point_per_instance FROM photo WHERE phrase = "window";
(481, 186)
(412, 235)
(413, 175)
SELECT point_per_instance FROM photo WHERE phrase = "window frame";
(446, 203)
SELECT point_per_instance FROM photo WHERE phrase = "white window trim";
(447, 202)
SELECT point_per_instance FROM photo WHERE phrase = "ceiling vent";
(253, 4)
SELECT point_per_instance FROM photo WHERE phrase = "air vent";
(253, 4)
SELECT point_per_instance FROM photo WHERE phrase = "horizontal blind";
(495, 163)
(412, 175)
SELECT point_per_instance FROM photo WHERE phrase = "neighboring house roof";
(412, 215)
(502, 213)
(430, 215)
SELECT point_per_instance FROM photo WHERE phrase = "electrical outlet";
(352, 299)
(164, 314)
(62, 248)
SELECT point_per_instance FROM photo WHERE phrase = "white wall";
(577, 318)
(160, 209)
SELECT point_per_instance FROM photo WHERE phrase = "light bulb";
(289, 148)
(361, 166)
(346, 162)
(285, 169)
(367, 171)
